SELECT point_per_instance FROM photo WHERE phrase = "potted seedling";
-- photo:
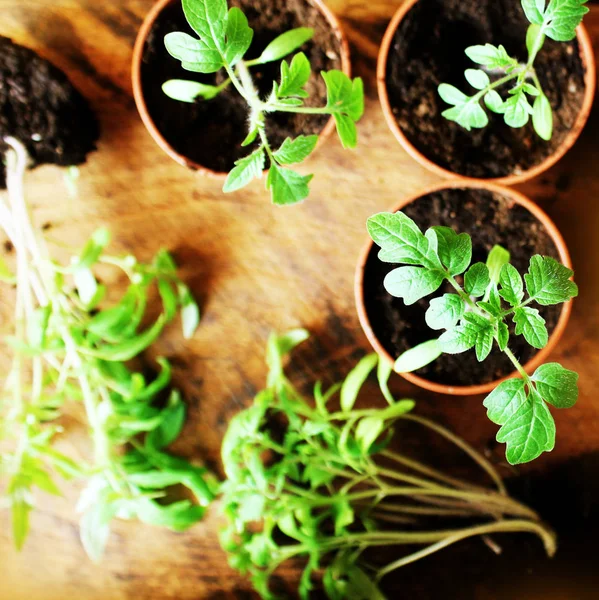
(324, 483)
(237, 90)
(482, 306)
(490, 89)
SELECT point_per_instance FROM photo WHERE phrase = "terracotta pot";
(138, 94)
(588, 60)
(538, 359)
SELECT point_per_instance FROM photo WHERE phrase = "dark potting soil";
(428, 49)
(210, 132)
(490, 219)
(40, 107)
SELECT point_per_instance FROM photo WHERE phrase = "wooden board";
(257, 268)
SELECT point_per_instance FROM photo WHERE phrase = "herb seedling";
(557, 20)
(70, 344)
(225, 38)
(310, 480)
(476, 316)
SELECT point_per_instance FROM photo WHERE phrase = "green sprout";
(321, 481)
(225, 37)
(476, 315)
(72, 342)
(557, 20)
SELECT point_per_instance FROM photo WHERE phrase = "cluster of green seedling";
(224, 39)
(72, 344)
(557, 20)
(318, 480)
(476, 316)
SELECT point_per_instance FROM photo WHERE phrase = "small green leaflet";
(445, 312)
(512, 288)
(367, 432)
(296, 150)
(294, 77)
(498, 257)
(557, 385)
(418, 357)
(505, 400)
(517, 110)
(548, 282)
(286, 186)
(542, 117)
(477, 78)
(285, 44)
(239, 36)
(345, 100)
(246, 169)
(355, 380)
(493, 57)
(189, 91)
(413, 283)
(530, 324)
(476, 280)
(455, 251)
(469, 113)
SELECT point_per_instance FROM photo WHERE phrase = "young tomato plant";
(72, 345)
(476, 316)
(319, 480)
(224, 39)
(557, 20)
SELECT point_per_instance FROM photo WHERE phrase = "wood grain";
(255, 268)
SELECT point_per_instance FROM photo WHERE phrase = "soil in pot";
(210, 133)
(490, 219)
(428, 49)
(40, 107)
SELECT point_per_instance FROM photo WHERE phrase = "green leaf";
(557, 385)
(396, 410)
(512, 288)
(171, 424)
(529, 432)
(383, 372)
(189, 91)
(368, 431)
(494, 102)
(418, 357)
(562, 17)
(445, 312)
(294, 77)
(355, 380)
(498, 257)
(477, 280)
(413, 283)
(347, 131)
(239, 36)
(532, 325)
(246, 168)
(94, 528)
(505, 400)
(401, 240)
(502, 335)
(190, 311)
(484, 343)
(533, 13)
(194, 54)
(477, 78)
(285, 44)
(459, 339)
(296, 150)
(251, 507)
(517, 110)
(548, 281)
(278, 347)
(170, 301)
(452, 95)
(286, 186)
(532, 35)
(542, 117)
(470, 115)
(344, 95)
(93, 249)
(455, 251)
(20, 509)
(6, 274)
(208, 18)
(493, 57)
(251, 137)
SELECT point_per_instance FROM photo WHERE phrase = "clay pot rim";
(590, 78)
(142, 108)
(538, 359)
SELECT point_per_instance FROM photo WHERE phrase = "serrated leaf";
(477, 78)
(347, 131)
(452, 95)
(455, 251)
(355, 380)
(512, 287)
(418, 357)
(344, 95)
(286, 186)
(532, 325)
(517, 110)
(505, 400)
(285, 44)
(529, 432)
(470, 115)
(533, 14)
(476, 280)
(494, 57)
(459, 339)
(502, 336)
(208, 18)
(413, 283)
(444, 312)
(557, 385)
(194, 54)
(294, 77)
(494, 102)
(189, 91)
(484, 343)
(239, 36)
(562, 17)
(296, 150)
(542, 117)
(246, 169)
(548, 281)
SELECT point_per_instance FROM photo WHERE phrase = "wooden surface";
(257, 268)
